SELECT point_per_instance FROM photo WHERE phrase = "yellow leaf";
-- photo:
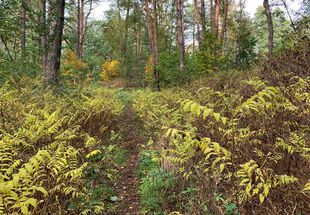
(222, 166)
(24, 210)
(32, 202)
(261, 198)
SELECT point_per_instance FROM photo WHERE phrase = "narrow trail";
(128, 183)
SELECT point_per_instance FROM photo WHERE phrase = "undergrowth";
(241, 146)
(57, 152)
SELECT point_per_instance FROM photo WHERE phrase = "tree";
(203, 21)
(197, 21)
(42, 34)
(180, 29)
(82, 19)
(156, 57)
(224, 22)
(153, 40)
(55, 33)
(217, 18)
(270, 26)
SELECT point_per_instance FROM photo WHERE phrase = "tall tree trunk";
(181, 43)
(23, 26)
(125, 39)
(225, 13)
(42, 23)
(270, 26)
(149, 26)
(153, 40)
(217, 18)
(203, 21)
(155, 62)
(212, 16)
(56, 25)
(197, 21)
(80, 28)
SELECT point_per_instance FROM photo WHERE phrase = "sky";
(251, 6)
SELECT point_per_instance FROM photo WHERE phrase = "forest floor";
(128, 182)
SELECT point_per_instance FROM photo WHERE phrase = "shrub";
(75, 70)
(110, 70)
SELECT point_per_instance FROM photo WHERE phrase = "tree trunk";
(217, 18)
(125, 39)
(225, 13)
(80, 28)
(181, 43)
(270, 26)
(197, 21)
(56, 25)
(23, 26)
(289, 15)
(155, 62)
(203, 21)
(211, 16)
(42, 23)
(149, 26)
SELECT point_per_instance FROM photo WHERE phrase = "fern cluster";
(48, 145)
(249, 142)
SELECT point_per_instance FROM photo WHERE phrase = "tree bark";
(82, 26)
(155, 61)
(197, 21)
(217, 18)
(42, 23)
(211, 16)
(225, 13)
(56, 25)
(270, 26)
(181, 43)
(203, 21)
(149, 26)
(125, 39)
(80, 29)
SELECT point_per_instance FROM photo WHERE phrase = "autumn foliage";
(110, 70)
(75, 69)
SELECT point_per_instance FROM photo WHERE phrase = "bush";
(110, 70)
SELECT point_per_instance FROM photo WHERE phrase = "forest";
(155, 107)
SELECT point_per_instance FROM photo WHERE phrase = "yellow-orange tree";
(75, 70)
(110, 70)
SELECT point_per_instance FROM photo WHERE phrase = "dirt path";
(128, 183)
